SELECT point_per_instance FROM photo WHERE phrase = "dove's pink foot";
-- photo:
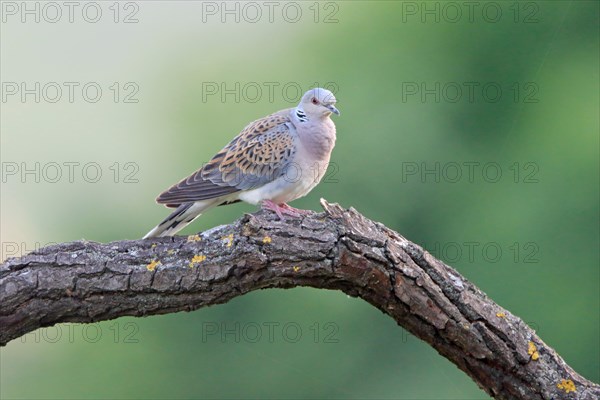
(299, 212)
(283, 209)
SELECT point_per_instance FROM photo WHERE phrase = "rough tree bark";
(340, 249)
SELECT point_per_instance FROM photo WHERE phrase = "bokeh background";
(528, 237)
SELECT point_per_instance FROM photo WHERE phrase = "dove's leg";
(281, 209)
(272, 206)
(294, 210)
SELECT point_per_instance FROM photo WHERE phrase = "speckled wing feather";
(257, 156)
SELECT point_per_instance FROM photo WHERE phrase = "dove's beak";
(332, 108)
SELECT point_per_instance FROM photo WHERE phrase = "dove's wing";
(257, 156)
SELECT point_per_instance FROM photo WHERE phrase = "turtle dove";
(274, 160)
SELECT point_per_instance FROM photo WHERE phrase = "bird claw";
(283, 209)
(297, 211)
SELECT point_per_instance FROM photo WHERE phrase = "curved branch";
(87, 282)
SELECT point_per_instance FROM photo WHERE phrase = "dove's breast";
(314, 143)
(298, 179)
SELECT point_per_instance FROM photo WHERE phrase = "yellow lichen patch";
(197, 259)
(152, 266)
(194, 238)
(567, 385)
(170, 251)
(296, 268)
(153, 245)
(228, 239)
(267, 239)
(500, 315)
(532, 351)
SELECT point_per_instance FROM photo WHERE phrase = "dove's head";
(318, 102)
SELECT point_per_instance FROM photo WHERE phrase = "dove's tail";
(180, 218)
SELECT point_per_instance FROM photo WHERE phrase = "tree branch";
(87, 282)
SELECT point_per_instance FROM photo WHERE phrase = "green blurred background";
(541, 132)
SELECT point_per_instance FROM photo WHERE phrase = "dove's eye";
(315, 101)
